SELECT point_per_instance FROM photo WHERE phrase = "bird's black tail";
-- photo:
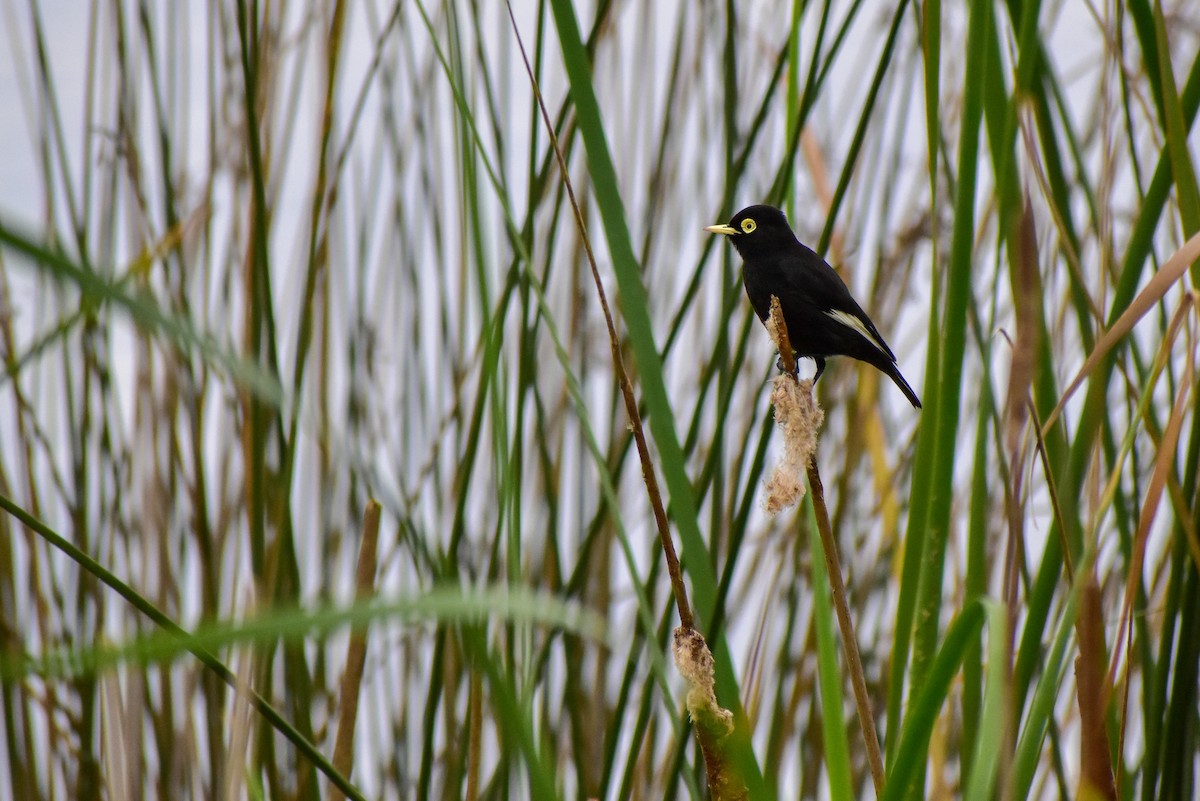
(894, 372)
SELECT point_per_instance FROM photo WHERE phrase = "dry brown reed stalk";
(798, 418)
(866, 716)
(475, 735)
(713, 724)
(356, 651)
(1096, 779)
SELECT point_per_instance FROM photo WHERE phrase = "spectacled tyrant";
(822, 318)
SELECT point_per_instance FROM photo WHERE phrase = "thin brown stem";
(356, 654)
(686, 619)
(866, 716)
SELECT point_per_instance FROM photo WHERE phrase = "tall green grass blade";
(920, 485)
(1041, 709)
(989, 742)
(635, 313)
(1186, 191)
(908, 767)
(937, 439)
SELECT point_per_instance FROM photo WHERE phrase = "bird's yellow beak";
(721, 229)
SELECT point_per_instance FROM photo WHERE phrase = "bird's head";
(757, 229)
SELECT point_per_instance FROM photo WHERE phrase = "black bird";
(822, 318)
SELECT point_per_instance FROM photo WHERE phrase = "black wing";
(808, 279)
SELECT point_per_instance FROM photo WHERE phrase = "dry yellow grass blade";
(1154, 291)
(1161, 358)
(1158, 482)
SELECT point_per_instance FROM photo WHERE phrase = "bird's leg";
(820, 362)
(781, 367)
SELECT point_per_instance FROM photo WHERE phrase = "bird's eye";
(748, 226)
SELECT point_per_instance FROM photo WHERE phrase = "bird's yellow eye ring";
(748, 226)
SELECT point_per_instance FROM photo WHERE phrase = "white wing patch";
(850, 321)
